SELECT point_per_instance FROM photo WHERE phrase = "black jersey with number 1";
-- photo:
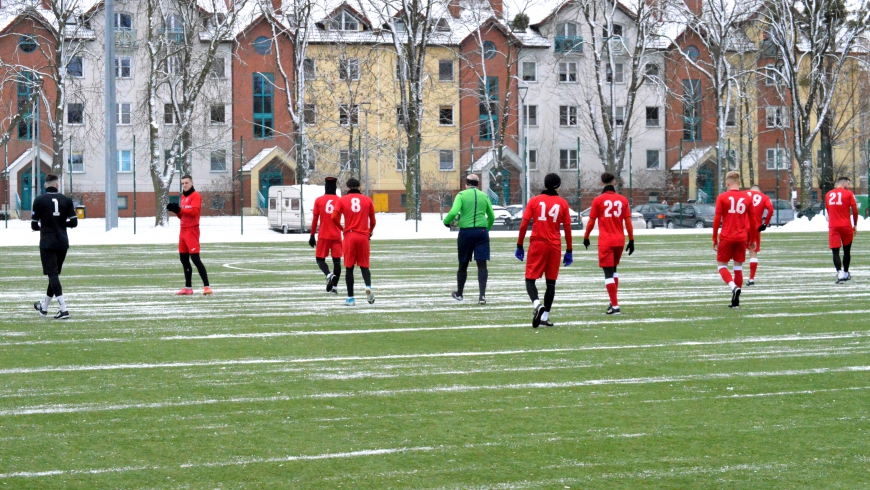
(52, 214)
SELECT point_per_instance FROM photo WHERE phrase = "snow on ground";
(228, 229)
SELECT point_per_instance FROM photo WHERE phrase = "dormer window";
(400, 25)
(617, 31)
(442, 25)
(568, 29)
(344, 21)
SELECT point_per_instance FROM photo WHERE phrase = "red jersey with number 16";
(323, 208)
(613, 215)
(838, 203)
(358, 211)
(549, 213)
(736, 213)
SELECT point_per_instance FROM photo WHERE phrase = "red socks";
(726, 275)
(753, 266)
(610, 284)
(738, 277)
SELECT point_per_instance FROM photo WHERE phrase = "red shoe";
(207, 291)
(184, 292)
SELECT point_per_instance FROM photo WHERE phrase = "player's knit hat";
(329, 185)
(552, 181)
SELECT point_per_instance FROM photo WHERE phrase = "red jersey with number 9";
(839, 202)
(762, 203)
(358, 211)
(614, 217)
(550, 213)
(323, 209)
(736, 213)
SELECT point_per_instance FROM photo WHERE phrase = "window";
(168, 114)
(652, 116)
(731, 118)
(75, 67)
(617, 31)
(773, 74)
(348, 115)
(309, 159)
(219, 161)
(264, 110)
(489, 50)
(653, 159)
(75, 113)
(400, 25)
(174, 65)
(530, 115)
(533, 159)
(781, 156)
(123, 67)
(400, 65)
(693, 53)
(122, 113)
(692, 110)
(77, 161)
(442, 25)
(309, 68)
(218, 202)
(445, 70)
(309, 114)
(404, 200)
(122, 202)
(651, 72)
(567, 115)
(568, 72)
(123, 21)
(568, 159)
(167, 154)
(619, 117)
(488, 108)
(218, 68)
(445, 160)
(567, 29)
(348, 159)
(618, 77)
(776, 117)
(125, 161)
(445, 115)
(25, 92)
(348, 69)
(401, 159)
(400, 116)
(263, 45)
(530, 71)
(344, 21)
(218, 114)
(27, 43)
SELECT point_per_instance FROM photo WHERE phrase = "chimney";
(276, 6)
(497, 7)
(694, 6)
(454, 8)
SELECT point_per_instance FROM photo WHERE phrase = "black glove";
(762, 228)
(630, 247)
(174, 207)
(312, 241)
(586, 243)
(34, 225)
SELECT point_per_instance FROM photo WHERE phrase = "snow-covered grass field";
(273, 383)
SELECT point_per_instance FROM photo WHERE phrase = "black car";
(692, 216)
(654, 214)
(812, 211)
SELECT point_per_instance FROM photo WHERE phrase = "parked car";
(516, 218)
(501, 215)
(654, 215)
(692, 216)
(783, 212)
(637, 220)
(817, 208)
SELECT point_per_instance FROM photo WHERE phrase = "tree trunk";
(806, 179)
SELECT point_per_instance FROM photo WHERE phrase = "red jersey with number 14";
(549, 213)
(358, 211)
(838, 203)
(736, 213)
(323, 209)
(613, 215)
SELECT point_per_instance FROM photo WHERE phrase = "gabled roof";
(525, 39)
(619, 4)
(347, 7)
(693, 158)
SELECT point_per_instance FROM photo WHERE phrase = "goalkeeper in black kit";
(52, 214)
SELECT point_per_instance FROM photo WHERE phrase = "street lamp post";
(111, 120)
(524, 135)
(367, 146)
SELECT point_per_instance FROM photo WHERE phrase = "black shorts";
(52, 261)
(473, 241)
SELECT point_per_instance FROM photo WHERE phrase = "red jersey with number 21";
(358, 211)
(839, 202)
(323, 209)
(550, 214)
(612, 213)
(735, 211)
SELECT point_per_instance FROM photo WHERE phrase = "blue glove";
(569, 258)
(520, 253)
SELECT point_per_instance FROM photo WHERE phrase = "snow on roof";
(484, 162)
(260, 157)
(693, 158)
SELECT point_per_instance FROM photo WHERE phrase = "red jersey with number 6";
(358, 211)
(839, 202)
(736, 213)
(323, 209)
(550, 213)
(613, 215)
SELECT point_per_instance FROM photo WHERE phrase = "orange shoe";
(184, 292)
(207, 291)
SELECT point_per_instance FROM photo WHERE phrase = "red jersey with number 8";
(839, 202)
(358, 211)
(735, 211)
(613, 215)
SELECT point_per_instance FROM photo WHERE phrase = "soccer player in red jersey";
(612, 213)
(762, 203)
(736, 213)
(188, 240)
(330, 235)
(549, 211)
(842, 225)
(358, 211)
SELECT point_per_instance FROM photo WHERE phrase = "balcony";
(569, 44)
(617, 44)
(125, 38)
(175, 35)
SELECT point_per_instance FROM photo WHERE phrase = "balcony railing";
(617, 44)
(125, 38)
(173, 34)
(569, 44)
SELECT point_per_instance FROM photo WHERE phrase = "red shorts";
(757, 244)
(841, 236)
(728, 251)
(609, 256)
(326, 247)
(188, 241)
(357, 249)
(544, 260)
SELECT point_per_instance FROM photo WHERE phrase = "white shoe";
(370, 295)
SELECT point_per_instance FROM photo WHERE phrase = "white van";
(285, 205)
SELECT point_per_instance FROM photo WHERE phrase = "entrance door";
(270, 175)
(706, 183)
(27, 191)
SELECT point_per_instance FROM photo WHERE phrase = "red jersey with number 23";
(358, 211)
(323, 209)
(736, 213)
(839, 202)
(550, 213)
(611, 212)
